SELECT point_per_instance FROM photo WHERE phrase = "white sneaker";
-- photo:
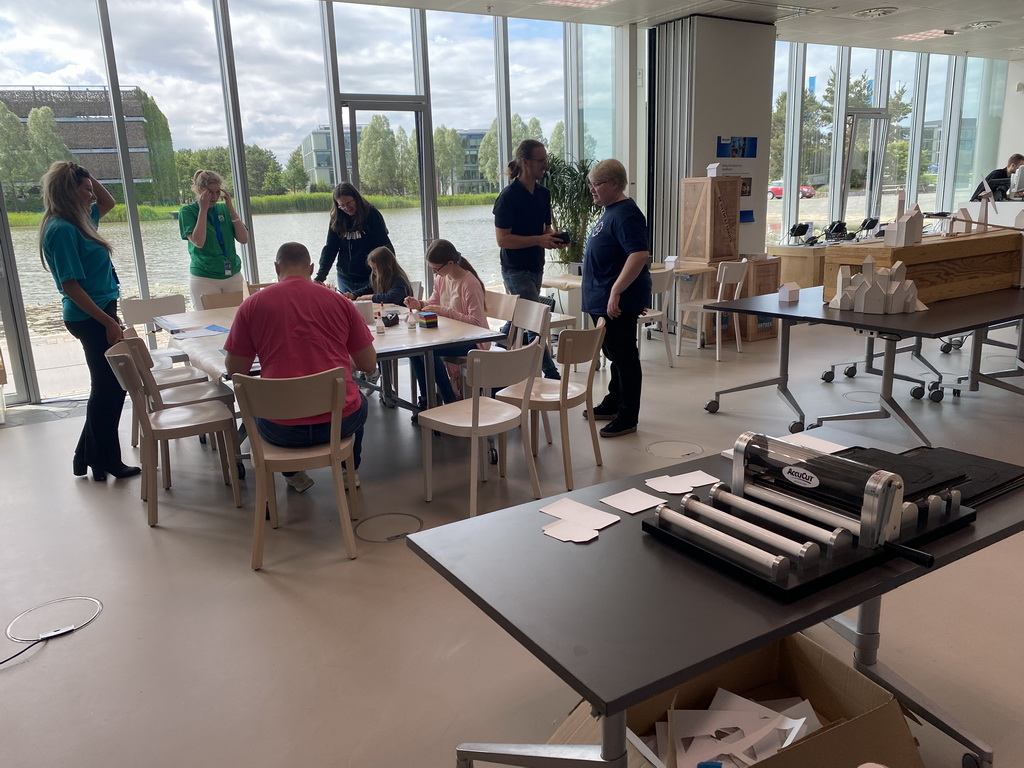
(355, 474)
(300, 482)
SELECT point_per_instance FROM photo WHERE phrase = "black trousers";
(99, 445)
(626, 383)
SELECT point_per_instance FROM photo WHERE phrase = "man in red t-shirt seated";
(298, 328)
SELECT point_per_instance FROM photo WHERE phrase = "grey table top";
(624, 617)
(942, 318)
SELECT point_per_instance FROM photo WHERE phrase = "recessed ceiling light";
(875, 13)
(976, 25)
(578, 3)
(930, 34)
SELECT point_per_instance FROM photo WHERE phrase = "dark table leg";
(781, 382)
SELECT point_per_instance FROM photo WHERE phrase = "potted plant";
(572, 206)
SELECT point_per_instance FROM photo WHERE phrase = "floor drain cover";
(862, 396)
(387, 526)
(674, 449)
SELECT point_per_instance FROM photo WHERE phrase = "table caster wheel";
(202, 439)
(958, 343)
(935, 396)
(956, 393)
(828, 376)
(970, 760)
(933, 385)
(946, 348)
(796, 426)
(851, 371)
(241, 470)
(917, 392)
(711, 406)
(492, 455)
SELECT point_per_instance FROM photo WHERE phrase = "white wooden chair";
(662, 281)
(295, 398)
(730, 273)
(221, 300)
(480, 415)
(142, 311)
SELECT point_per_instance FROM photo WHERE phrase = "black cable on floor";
(37, 642)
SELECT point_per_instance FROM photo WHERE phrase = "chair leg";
(428, 464)
(736, 326)
(563, 425)
(593, 431)
(668, 344)
(221, 442)
(502, 457)
(534, 431)
(259, 513)
(353, 497)
(151, 491)
(147, 467)
(165, 462)
(347, 533)
(547, 428)
(230, 449)
(474, 473)
(718, 337)
(271, 492)
(530, 464)
(135, 429)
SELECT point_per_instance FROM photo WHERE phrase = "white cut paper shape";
(632, 501)
(668, 484)
(809, 441)
(698, 478)
(803, 711)
(644, 748)
(567, 509)
(568, 530)
(690, 723)
(726, 700)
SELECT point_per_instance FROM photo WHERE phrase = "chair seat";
(188, 418)
(457, 418)
(652, 316)
(174, 377)
(169, 354)
(545, 395)
(279, 459)
(199, 392)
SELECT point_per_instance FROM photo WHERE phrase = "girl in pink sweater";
(458, 294)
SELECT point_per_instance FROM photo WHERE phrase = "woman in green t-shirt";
(215, 266)
(78, 257)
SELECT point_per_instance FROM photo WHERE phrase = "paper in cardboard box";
(862, 721)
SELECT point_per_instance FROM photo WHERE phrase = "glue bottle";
(380, 323)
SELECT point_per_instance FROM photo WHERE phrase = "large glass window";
(597, 92)
(980, 124)
(933, 137)
(777, 145)
(900, 105)
(816, 136)
(374, 49)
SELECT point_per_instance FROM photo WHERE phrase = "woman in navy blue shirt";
(617, 287)
(79, 259)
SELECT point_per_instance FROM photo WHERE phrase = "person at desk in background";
(78, 257)
(1015, 162)
(458, 294)
(522, 228)
(356, 229)
(214, 265)
(388, 282)
(297, 328)
(617, 287)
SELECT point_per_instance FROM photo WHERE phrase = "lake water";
(471, 228)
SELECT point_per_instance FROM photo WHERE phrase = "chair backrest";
(731, 273)
(294, 398)
(530, 316)
(661, 280)
(121, 363)
(221, 300)
(251, 288)
(577, 346)
(488, 370)
(139, 352)
(500, 306)
(141, 311)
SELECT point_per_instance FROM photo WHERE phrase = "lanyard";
(215, 220)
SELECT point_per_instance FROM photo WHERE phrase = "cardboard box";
(862, 721)
(941, 267)
(762, 278)
(709, 219)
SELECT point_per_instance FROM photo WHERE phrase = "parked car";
(775, 190)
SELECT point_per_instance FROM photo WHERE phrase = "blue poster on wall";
(737, 146)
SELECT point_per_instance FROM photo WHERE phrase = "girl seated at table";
(459, 295)
(388, 280)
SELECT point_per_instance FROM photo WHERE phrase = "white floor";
(321, 661)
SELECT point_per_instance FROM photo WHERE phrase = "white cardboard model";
(964, 221)
(713, 169)
(875, 290)
(789, 292)
(908, 230)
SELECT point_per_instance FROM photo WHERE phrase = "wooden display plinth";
(941, 267)
(709, 221)
(801, 264)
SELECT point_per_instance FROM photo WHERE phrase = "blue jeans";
(306, 435)
(444, 385)
(356, 287)
(526, 284)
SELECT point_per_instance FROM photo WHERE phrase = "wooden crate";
(800, 264)
(941, 267)
(709, 221)
(762, 278)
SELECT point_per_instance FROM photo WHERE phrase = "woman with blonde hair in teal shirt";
(79, 259)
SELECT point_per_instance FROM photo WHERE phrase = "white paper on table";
(632, 501)
(810, 441)
(568, 530)
(210, 330)
(668, 484)
(567, 509)
(698, 478)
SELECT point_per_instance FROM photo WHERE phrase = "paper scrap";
(810, 441)
(632, 501)
(210, 330)
(668, 484)
(567, 530)
(567, 509)
(698, 478)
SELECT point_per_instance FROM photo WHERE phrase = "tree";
(534, 131)
(44, 143)
(258, 163)
(295, 177)
(14, 154)
(556, 144)
(273, 183)
(378, 158)
(449, 157)
(408, 162)
(488, 152)
(188, 161)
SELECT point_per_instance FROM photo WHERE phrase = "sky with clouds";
(170, 51)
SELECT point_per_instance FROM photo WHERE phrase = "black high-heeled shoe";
(78, 466)
(123, 470)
